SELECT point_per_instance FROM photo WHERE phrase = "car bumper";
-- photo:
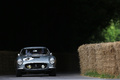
(45, 71)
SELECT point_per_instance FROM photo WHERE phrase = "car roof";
(40, 47)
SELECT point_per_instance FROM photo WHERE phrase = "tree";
(112, 32)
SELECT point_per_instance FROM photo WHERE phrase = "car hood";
(41, 59)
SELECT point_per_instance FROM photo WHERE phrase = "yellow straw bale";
(102, 57)
(109, 64)
(110, 70)
(118, 70)
(118, 55)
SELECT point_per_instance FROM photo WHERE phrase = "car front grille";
(36, 66)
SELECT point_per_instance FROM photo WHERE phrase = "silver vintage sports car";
(35, 60)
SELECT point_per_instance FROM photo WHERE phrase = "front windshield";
(30, 52)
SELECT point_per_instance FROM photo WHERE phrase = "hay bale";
(102, 57)
(118, 69)
(110, 70)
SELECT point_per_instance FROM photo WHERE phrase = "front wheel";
(18, 73)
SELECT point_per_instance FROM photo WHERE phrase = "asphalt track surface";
(60, 76)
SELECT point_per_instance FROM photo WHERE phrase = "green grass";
(118, 76)
(92, 74)
(107, 76)
(95, 74)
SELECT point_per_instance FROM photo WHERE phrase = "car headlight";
(19, 61)
(52, 60)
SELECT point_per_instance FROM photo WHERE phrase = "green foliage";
(118, 76)
(107, 76)
(92, 74)
(112, 32)
(88, 19)
(96, 74)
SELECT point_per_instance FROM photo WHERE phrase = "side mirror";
(18, 54)
(51, 54)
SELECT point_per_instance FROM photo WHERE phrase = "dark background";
(61, 25)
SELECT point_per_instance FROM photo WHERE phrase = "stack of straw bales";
(101, 57)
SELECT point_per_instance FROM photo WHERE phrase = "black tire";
(52, 73)
(18, 73)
